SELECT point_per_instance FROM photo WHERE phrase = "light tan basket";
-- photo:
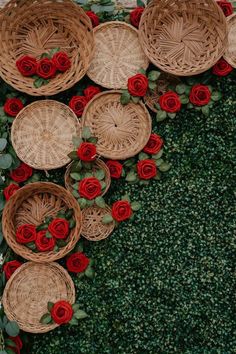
(122, 131)
(183, 37)
(230, 53)
(118, 55)
(34, 27)
(31, 205)
(29, 290)
(42, 134)
(92, 228)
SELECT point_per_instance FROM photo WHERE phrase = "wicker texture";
(34, 27)
(230, 53)
(122, 131)
(183, 37)
(30, 205)
(29, 290)
(42, 134)
(92, 228)
(118, 55)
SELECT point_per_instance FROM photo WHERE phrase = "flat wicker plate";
(122, 131)
(118, 55)
(42, 134)
(230, 53)
(29, 290)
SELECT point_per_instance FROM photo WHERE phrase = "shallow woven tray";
(42, 134)
(230, 53)
(34, 27)
(118, 55)
(30, 205)
(122, 131)
(183, 37)
(92, 227)
(29, 290)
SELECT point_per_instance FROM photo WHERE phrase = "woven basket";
(230, 53)
(29, 290)
(34, 27)
(42, 134)
(122, 131)
(92, 227)
(183, 37)
(30, 205)
(118, 55)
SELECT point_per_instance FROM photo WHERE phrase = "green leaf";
(96, 8)
(131, 177)
(3, 143)
(129, 163)
(80, 314)
(153, 75)
(12, 329)
(164, 167)
(140, 3)
(76, 166)
(205, 110)
(75, 186)
(216, 95)
(50, 306)
(100, 175)
(171, 115)
(72, 223)
(42, 227)
(10, 343)
(161, 115)
(158, 155)
(9, 351)
(76, 176)
(82, 202)
(77, 141)
(100, 202)
(180, 88)
(38, 82)
(135, 206)
(108, 8)
(142, 71)
(31, 246)
(184, 99)
(86, 133)
(135, 99)
(73, 155)
(73, 321)
(125, 97)
(46, 319)
(93, 140)
(103, 184)
(143, 156)
(4, 352)
(126, 197)
(75, 307)
(87, 165)
(152, 85)
(2, 202)
(159, 162)
(5, 161)
(75, 194)
(54, 51)
(90, 273)
(107, 219)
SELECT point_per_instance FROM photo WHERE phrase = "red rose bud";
(90, 188)
(77, 262)
(46, 68)
(13, 106)
(135, 16)
(10, 267)
(200, 95)
(138, 85)
(61, 61)
(77, 104)
(43, 243)
(121, 210)
(93, 17)
(91, 91)
(87, 152)
(26, 233)
(59, 228)
(62, 312)
(21, 173)
(154, 144)
(115, 168)
(27, 65)
(146, 169)
(226, 7)
(10, 190)
(170, 102)
(222, 68)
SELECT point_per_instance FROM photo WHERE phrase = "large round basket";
(42, 134)
(31, 205)
(35, 27)
(29, 290)
(92, 228)
(118, 55)
(184, 37)
(122, 131)
(230, 53)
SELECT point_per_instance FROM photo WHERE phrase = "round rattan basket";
(92, 227)
(183, 37)
(230, 53)
(42, 134)
(31, 205)
(118, 55)
(29, 290)
(99, 164)
(35, 27)
(122, 131)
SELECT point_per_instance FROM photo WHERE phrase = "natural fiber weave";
(92, 227)
(31, 205)
(230, 53)
(42, 134)
(122, 131)
(34, 27)
(29, 290)
(118, 55)
(183, 37)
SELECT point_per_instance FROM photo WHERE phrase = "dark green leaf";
(125, 97)
(161, 115)
(126, 197)
(38, 82)
(77, 141)
(82, 202)
(72, 223)
(46, 319)
(50, 306)
(216, 96)
(131, 177)
(12, 329)
(100, 202)
(10, 343)
(75, 194)
(135, 99)
(107, 219)
(86, 133)
(42, 227)
(100, 175)
(76, 176)
(74, 321)
(140, 3)
(153, 75)
(80, 314)
(143, 156)
(90, 272)
(171, 115)
(75, 307)
(69, 214)
(142, 71)
(135, 206)
(3, 144)
(152, 85)
(73, 155)
(206, 110)
(158, 155)
(180, 89)
(5, 161)
(54, 51)
(31, 246)
(164, 167)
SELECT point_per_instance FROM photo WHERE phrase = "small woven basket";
(92, 227)
(183, 37)
(31, 205)
(230, 53)
(42, 134)
(122, 131)
(34, 27)
(118, 55)
(29, 290)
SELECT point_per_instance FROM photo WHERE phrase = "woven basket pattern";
(34, 27)
(230, 53)
(122, 131)
(118, 55)
(30, 205)
(183, 37)
(29, 290)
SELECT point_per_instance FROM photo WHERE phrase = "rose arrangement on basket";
(78, 102)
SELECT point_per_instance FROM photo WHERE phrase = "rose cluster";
(78, 103)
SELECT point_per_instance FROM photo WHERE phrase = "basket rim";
(231, 21)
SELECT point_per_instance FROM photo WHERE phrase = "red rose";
(62, 312)
(138, 85)
(146, 169)
(200, 95)
(26, 65)
(135, 16)
(154, 144)
(226, 7)
(43, 243)
(10, 267)
(26, 233)
(59, 228)
(93, 17)
(21, 173)
(170, 102)
(77, 104)
(10, 190)
(13, 106)
(18, 343)
(91, 91)
(61, 61)
(46, 68)
(77, 262)
(87, 152)
(121, 210)
(90, 188)
(115, 168)
(222, 68)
